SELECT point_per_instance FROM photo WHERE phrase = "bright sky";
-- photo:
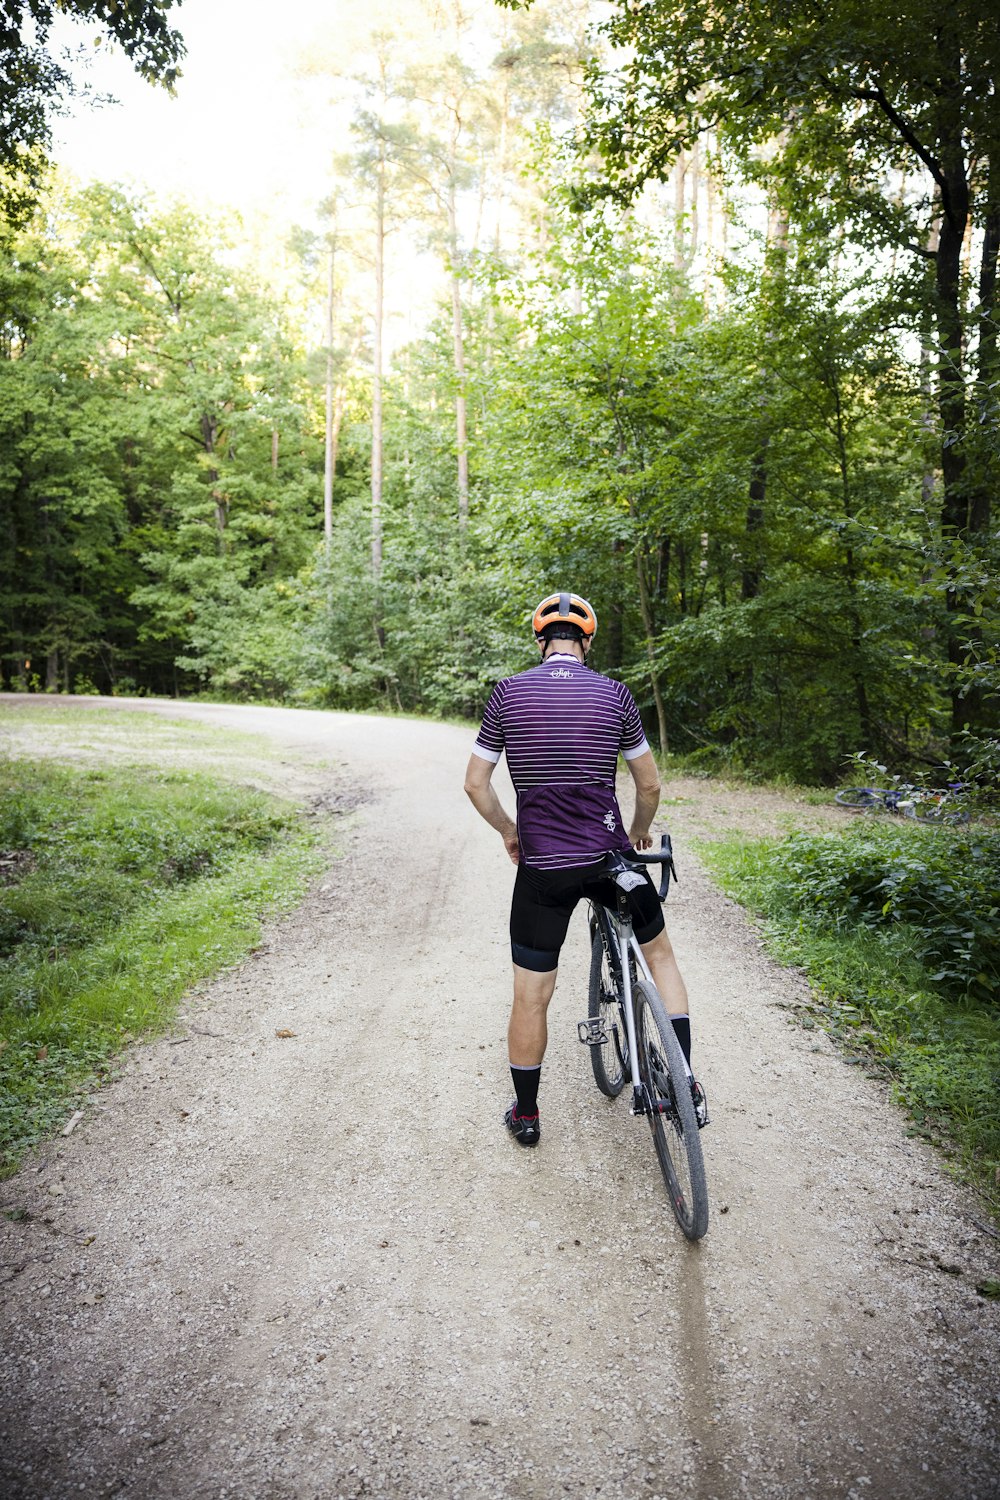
(249, 128)
(246, 129)
(242, 129)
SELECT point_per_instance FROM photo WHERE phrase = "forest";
(690, 309)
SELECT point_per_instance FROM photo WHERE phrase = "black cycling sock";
(526, 1089)
(682, 1026)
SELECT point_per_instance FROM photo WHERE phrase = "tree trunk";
(209, 437)
(680, 172)
(648, 625)
(614, 634)
(775, 253)
(329, 459)
(458, 342)
(376, 480)
(956, 510)
(851, 579)
(694, 173)
(753, 527)
(928, 420)
(988, 352)
(711, 209)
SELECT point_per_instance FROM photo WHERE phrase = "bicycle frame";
(627, 942)
(630, 1032)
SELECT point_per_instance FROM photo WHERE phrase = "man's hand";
(513, 847)
(640, 837)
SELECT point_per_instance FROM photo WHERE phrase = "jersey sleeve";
(634, 742)
(490, 739)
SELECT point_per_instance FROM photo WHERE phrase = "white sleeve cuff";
(632, 754)
(484, 754)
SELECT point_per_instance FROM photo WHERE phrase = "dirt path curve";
(317, 1267)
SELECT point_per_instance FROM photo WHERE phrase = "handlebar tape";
(663, 856)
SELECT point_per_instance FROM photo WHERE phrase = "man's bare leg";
(659, 954)
(528, 1033)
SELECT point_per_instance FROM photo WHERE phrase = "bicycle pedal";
(592, 1033)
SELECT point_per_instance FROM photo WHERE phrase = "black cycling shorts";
(544, 901)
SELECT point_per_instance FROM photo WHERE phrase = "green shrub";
(944, 886)
(863, 914)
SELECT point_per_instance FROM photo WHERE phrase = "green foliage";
(157, 454)
(943, 886)
(125, 888)
(874, 985)
(34, 80)
(741, 463)
(825, 108)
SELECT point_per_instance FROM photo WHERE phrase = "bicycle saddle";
(625, 876)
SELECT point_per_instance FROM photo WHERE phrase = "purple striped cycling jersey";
(562, 727)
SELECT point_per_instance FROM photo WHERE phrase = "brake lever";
(669, 868)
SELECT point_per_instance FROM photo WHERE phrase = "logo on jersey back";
(560, 672)
(609, 822)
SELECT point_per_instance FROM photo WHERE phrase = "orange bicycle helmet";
(565, 609)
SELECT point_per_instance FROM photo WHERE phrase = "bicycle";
(873, 798)
(631, 1037)
(911, 802)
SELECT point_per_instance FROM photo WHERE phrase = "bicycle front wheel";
(861, 798)
(609, 1058)
(672, 1117)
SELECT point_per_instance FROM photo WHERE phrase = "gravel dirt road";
(314, 1265)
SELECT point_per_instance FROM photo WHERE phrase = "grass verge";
(120, 889)
(874, 993)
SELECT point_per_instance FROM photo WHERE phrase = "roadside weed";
(862, 921)
(121, 889)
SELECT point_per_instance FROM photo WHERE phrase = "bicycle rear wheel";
(609, 1059)
(861, 798)
(934, 809)
(672, 1117)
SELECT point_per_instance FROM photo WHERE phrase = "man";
(562, 727)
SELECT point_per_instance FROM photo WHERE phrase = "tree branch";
(878, 96)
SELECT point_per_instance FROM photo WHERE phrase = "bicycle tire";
(929, 811)
(673, 1123)
(860, 798)
(609, 1059)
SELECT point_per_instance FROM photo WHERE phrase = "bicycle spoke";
(609, 1058)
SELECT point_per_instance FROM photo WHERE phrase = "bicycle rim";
(672, 1121)
(609, 1059)
(859, 799)
(931, 810)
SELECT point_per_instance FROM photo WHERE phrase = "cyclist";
(562, 727)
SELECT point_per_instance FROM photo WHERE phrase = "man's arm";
(487, 804)
(647, 798)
